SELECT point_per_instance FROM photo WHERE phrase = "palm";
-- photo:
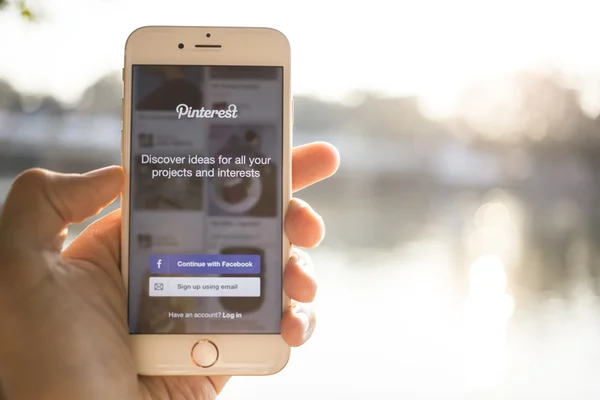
(93, 273)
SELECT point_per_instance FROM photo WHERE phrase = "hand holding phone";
(80, 304)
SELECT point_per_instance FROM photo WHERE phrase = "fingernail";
(305, 263)
(300, 203)
(101, 171)
(304, 318)
(300, 261)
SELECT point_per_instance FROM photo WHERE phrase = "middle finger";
(303, 226)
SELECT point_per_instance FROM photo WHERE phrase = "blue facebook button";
(205, 264)
(159, 264)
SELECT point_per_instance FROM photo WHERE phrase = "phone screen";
(205, 245)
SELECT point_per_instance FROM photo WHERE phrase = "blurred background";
(463, 247)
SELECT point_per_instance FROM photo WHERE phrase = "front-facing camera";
(180, 45)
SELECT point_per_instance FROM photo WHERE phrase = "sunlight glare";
(487, 277)
(496, 230)
(486, 313)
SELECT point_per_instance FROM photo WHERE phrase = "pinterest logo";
(183, 110)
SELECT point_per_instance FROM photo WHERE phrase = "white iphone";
(207, 116)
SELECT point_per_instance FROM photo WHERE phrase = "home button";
(205, 353)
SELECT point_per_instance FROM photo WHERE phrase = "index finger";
(312, 163)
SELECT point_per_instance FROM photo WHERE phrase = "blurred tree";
(49, 105)
(103, 96)
(550, 106)
(525, 107)
(9, 98)
(22, 8)
(372, 114)
(311, 114)
(391, 116)
(41, 104)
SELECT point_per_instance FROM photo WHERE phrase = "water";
(390, 327)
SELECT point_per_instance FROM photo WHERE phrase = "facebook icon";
(159, 264)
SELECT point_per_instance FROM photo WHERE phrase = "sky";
(431, 49)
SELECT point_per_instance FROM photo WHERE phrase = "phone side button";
(205, 353)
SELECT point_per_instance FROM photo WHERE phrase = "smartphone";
(206, 146)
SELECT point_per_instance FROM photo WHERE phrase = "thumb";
(41, 203)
